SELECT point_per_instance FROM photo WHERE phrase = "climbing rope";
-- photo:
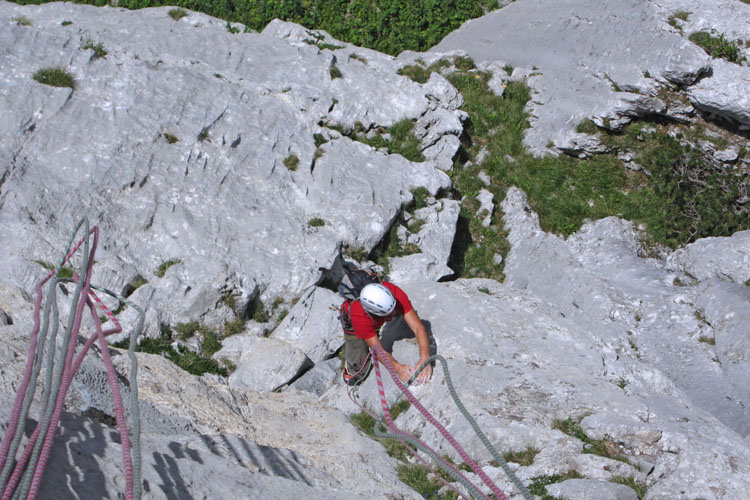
(21, 478)
(379, 356)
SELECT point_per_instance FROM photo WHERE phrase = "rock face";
(575, 78)
(198, 147)
(646, 355)
(616, 77)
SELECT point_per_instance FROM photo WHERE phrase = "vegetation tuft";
(191, 362)
(602, 447)
(316, 222)
(539, 483)
(291, 162)
(717, 46)
(177, 13)
(162, 269)
(98, 48)
(389, 26)
(55, 77)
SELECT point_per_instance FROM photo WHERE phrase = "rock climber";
(378, 304)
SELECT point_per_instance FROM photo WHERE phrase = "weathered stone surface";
(576, 78)
(267, 364)
(486, 206)
(434, 239)
(589, 489)
(220, 199)
(319, 378)
(720, 257)
(312, 326)
(724, 92)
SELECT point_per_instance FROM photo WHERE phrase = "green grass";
(389, 26)
(55, 77)
(23, 21)
(170, 138)
(98, 48)
(639, 487)
(707, 340)
(291, 162)
(335, 72)
(191, 362)
(523, 458)
(538, 483)
(162, 269)
(177, 13)
(717, 46)
(316, 222)
(66, 23)
(601, 447)
(682, 199)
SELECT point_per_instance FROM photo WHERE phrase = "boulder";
(312, 326)
(591, 489)
(268, 364)
(717, 257)
(724, 92)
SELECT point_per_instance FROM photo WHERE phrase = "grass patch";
(191, 362)
(681, 199)
(291, 162)
(316, 222)
(358, 57)
(66, 23)
(23, 21)
(586, 127)
(55, 77)
(539, 483)
(177, 13)
(335, 72)
(170, 138)
(717, 47)
(602, 447)
(523, 458)
(162, 269)
(98, 48)
(639, 487)
(397, 139)
(707, 340)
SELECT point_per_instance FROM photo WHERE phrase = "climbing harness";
(392, 431)
(21, 477)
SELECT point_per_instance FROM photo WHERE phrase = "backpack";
(354, 280)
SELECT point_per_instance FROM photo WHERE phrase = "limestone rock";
(576, 79)
(486, 206)
(312, 326)
(724, 92)
(721, 257)
(180, 154)
(267, 364)
(319, 378)
(589, 489)
(434, 239)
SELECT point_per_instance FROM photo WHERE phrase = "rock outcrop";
(606, 61)
(224, 172)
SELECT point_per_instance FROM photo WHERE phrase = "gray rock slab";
(724, 92)
(717, 257)
(575, 77)
(267, 363)
(597, 277)
(590, 489)
(434, 239)
(319, 378)
(220, 199)
(312, 325)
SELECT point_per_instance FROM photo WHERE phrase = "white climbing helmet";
(377, 299)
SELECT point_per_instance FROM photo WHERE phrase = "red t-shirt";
(366, 326)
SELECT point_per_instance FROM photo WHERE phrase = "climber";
(380, 303)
